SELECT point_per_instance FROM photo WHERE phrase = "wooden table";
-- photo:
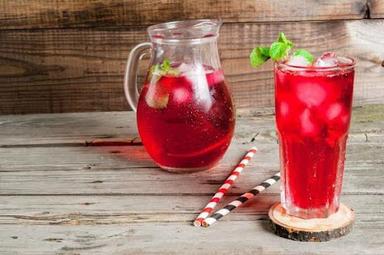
(83, 184)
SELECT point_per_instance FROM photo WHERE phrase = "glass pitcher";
(185, 113)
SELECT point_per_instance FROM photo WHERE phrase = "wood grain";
(21, 14)
(75, 129)
(69, 70)
(59, 197)
(131, 171)
(163, 208)
(109, 169)
(376, 8)
(236, 237)
(311, 230)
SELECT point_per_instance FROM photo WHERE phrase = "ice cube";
(343, 61)
(288, 109)
(283, 109)
(214, 77)
(344, 117)
(308, 126)
(328, 59)
(196, 76)
(333, 111)
(298, 61)
(184, 68)
(328, 54)
(208, 69)
(327, 62)
(182, 95)
(157, 97)
(311, 94)
(337, 116)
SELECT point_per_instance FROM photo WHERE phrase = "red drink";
(313, 110)
(186, 121)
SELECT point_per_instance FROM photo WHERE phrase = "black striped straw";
(240, 200)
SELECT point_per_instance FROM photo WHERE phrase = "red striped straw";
(241, 200)
(224, 188)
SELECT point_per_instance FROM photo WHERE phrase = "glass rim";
(318, 68)
(213, 24)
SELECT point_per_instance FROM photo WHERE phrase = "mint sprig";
(166, 65)
(259, 55)
(305, 54)
(277, 52)
(283, 39)
(165, 68)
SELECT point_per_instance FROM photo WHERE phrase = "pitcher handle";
(130, 77)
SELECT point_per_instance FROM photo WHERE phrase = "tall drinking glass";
(313, 111)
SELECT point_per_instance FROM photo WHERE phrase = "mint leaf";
(166, 65)
(264, 51)
(283, 39)
(258, 56)
(164, 68)
(305, 54)
(278, 50)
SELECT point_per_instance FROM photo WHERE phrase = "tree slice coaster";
(311, 230)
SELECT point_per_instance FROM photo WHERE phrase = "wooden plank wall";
(69, 55)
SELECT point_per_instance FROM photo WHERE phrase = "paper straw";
(240, 200)
(225, 187)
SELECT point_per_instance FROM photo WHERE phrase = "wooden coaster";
(311, 230)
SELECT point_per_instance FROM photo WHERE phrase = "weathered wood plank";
(66, 129)
(235, 237)
(129, 170)
(82, 70)
(92, 210)
(96, 171)
(376, 8)
(75, 129)
(95, 13)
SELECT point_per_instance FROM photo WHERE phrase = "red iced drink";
(186, 120)
(313, 110)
